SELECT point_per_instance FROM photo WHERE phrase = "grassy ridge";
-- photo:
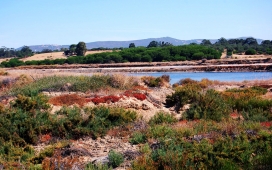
(74, 83)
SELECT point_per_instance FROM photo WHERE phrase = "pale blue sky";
(63, 22)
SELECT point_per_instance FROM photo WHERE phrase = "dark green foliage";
(250, 52)
(209, 105)
(229, 53)
(164, 52)
(183, 95)
(14, 62)
(81, 49)
(131, 45)
(249, 46)
(11, 52)
(206, 42)
(115, 159)
(153, 44)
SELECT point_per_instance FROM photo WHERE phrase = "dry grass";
(263, 82)
(3, 72)
(57, 55)
(123, 81)
(243, 56)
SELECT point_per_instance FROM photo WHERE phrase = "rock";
(145, 107)
(75, 151)
(66, 87)
(131, 155)
(102, 160)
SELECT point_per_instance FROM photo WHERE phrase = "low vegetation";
(73, 83)
(229, 129)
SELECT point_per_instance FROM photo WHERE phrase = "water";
(221, 76)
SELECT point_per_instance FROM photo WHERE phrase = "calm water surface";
(221, 76)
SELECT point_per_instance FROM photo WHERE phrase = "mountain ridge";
(125, 44)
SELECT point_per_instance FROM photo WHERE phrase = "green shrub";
(31, 103)
(161, 132)
(209, 105)
(115, 159)
(250, 52)
(91, 166)
(249, 103)
(138, 138)
(183, 95)
(252, 91)
(162, 117)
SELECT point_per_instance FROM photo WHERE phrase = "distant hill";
(37, 48)
(125, 44)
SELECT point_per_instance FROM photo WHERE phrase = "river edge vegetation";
(228, 129)
(154, 52)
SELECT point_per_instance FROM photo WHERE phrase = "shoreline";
(262, 67)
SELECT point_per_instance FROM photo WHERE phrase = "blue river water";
(221, 76)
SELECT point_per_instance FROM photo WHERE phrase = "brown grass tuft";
(68, 100)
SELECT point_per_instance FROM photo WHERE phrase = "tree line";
(11, 52)
(136, 54)
(248, 46)
(154, 52)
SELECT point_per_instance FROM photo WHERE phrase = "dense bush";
(250, 52)
(209, 105)
(183, 95)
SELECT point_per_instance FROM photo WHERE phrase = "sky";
(65, 22)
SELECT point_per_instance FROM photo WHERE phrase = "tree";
(266, 42)
(131, 45)
(81, 49)
(153, 44)
(25, 52)
(222, 41)
(164, 44)
(250, 51)
(46, 51)
(72, 49)
(206, 42)
(251, 41)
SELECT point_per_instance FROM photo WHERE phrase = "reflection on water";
(221, 76)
